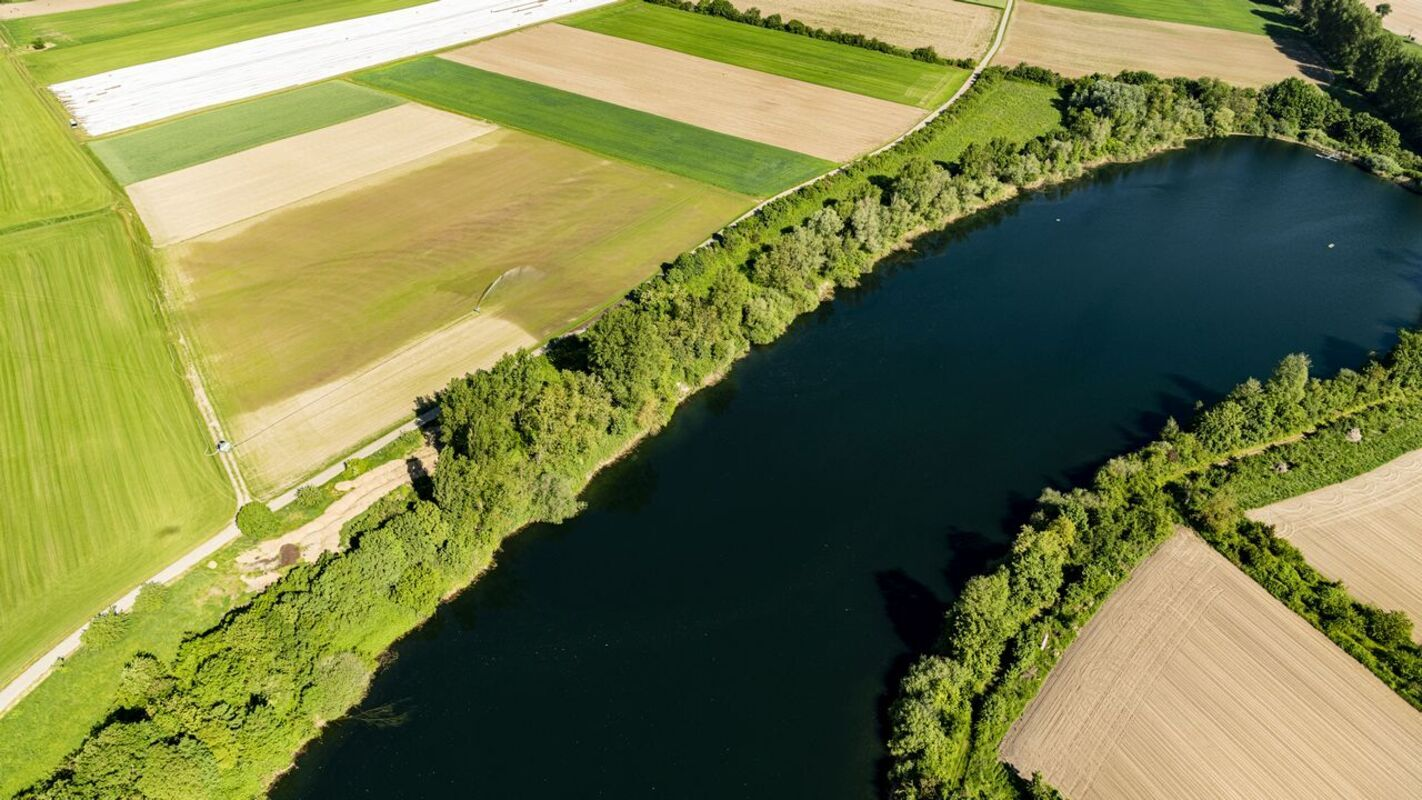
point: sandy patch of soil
(261, 565)
(817, 120)
(1366, 532)
(1192, 681)
(1081, 42)
(955, 29)
(1406, 17)
(203, 198)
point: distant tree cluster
(518, 441)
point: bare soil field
(815, 120)
(203, 198)
(1082, 42)
(1366, 532)
(1192, 681)
(955, 29)
(1405, 19)
(36, 8)
(306, 346)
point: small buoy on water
(1330, 245)
(1059, 219)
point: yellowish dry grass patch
(1366, 532)
(955, 29)
(312, 320)
(1192, 681)
(804, 117)
(193, 201)
(1081, 42)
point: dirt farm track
(1193, 682)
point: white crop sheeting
(122, 98)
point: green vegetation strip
(866, 72)
(96, 40)
(42, 173)
(105, 469)
(1231, 15)
(1016, 111)
(171, 146)
(715, 158)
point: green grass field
(105, 468)
(1230, 15)
(726, 161)
(1013, 110)
(207, 135)
(852, 69)
(42, 173)
(100, 39)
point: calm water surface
(727, 618)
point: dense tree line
(1007, 628)
(1384, 66)
(517, 442)
(752, 16)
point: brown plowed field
(1406, 17)
(1082, 42)
(816, 120)
(1366, 532)
(955, 29)
(1193, 682)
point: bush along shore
(225, 715)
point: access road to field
(804, 117)
(1192, 681)
(203, 198)
(1078, 43)
(1366, 532)
(123, 98)
(953, 28)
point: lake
(730, 615)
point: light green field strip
(100, 39)
(208, 135)
(105, 471)
(1012, 110)
(853, 69)
(726, 161)
(42, 173)
(1230, 15)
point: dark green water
(728, 617)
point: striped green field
(171, 146)
(100, 39)
(853, 69)
(1014, 110)
(1231, 15)
(105, 471)
(42, 173)
(726, 161)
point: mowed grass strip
(42, 173)
(105, 471)
(1014, 110)
(101, 39)
(209, 135)
(726, 161)
(1231, 15)
(853, 69)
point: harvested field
(1078, 43)
(823, 122)
(35, 8)
(729, 162)
(135, 95)
(1405, 19)
(1192, 681)
(953, 28)
(203, 198)
(853, 69)
(170, 146)
(1366, 532)
(301, 342)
